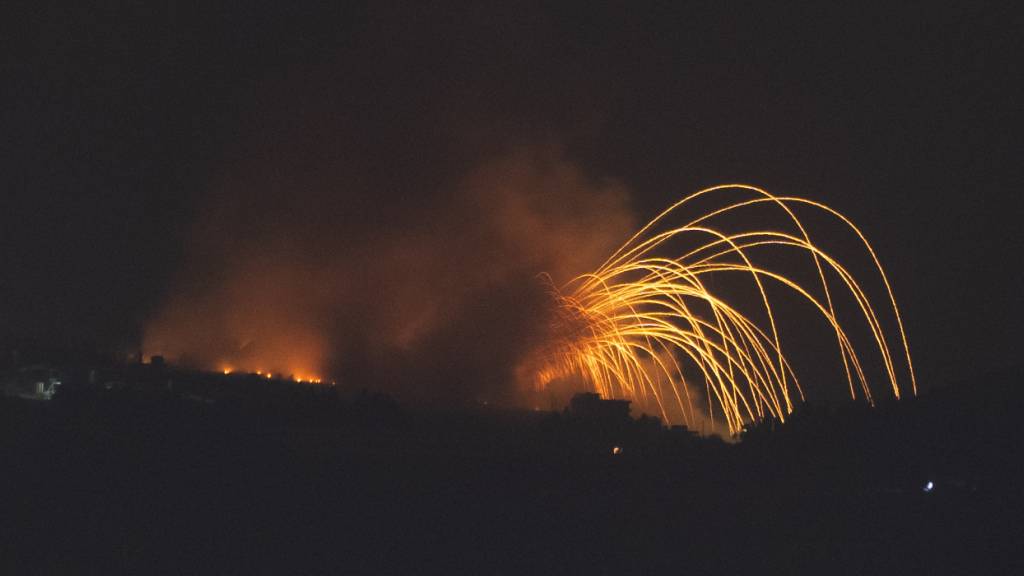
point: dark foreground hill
(149, 481)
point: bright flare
(654, 328)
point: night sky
(145, 149)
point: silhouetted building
(679, 432)
(590, 406)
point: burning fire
(301, 377)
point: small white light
(929, 486)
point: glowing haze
(478, 292)
(435, 300)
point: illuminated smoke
(447, 298)
(431, 300)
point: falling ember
(650, 327)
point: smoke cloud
(432, 297)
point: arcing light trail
(654, 329)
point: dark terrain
(236, 475)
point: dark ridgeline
(145, 467)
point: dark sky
(124, 126)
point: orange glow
(272, 295)
(298, 376)
(274, 344)
(657, 330)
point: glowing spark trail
(649, 327)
